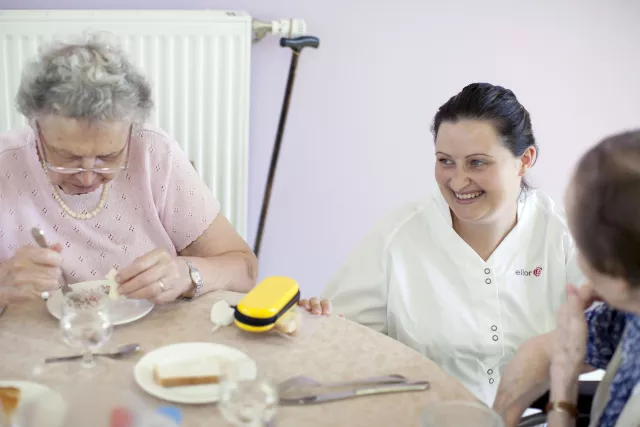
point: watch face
(195, 276)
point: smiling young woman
(477, 267)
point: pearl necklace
(67, 209)
(75, 215)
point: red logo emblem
(537, 272)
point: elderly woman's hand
(567, 359)
(32, 271)
(316, 306)
(154, 276)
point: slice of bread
(289, 323)
(113, 285)
(188, 371)
(9, 400)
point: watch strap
(562, 406)
(196, 279)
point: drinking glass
(85, 324)
(247, 402)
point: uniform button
(487, 271)
(487, 281)
(495, 338)
(490, 380)
(494, 328)
(490, 371)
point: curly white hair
(90, 79)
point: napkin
(221, 315)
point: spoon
(119, 353)
(38, 236)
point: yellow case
(271, 299)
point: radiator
(198, 63)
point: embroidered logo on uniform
(536, 272)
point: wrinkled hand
(154, 276)
(32, 271)
(570, 347)
(315, 306)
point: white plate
(194, 394)
(121, 311)
(48, 408)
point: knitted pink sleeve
(186, 205)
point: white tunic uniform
(414, 279)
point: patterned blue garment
(606, 327)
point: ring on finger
(162, 287)
(44, 295)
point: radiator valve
(289, 28)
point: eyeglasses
(108, 165)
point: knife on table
(361, 391)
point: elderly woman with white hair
(107, 189)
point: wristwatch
(561, 406)
(196, 279)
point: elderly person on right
(603, 202)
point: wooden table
(338, 350)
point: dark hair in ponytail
(484, 101)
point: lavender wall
(357, 144)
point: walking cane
(296, 45)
